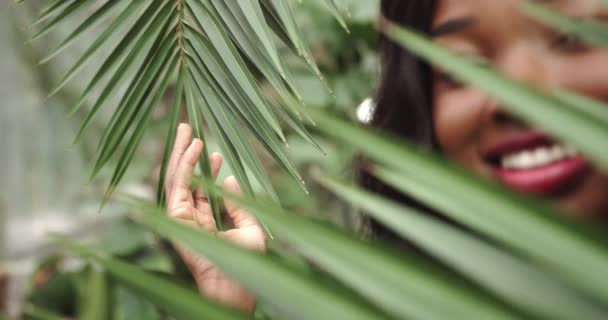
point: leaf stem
(179, 28)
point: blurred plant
(68, 287)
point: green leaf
(335, 10)
(71, 9)
(96, 303)
(130, 96)
(510, 277)
(270, 279)
(180, 302)
(231, 98)
(285, 15)
(160, 24)
(195, 117)
(252, 12)
(239, 152)
(234, 67)
(129, 305)
(38, 313)
(86, 24)
(138, 131)
(403, 287)
(171, 133)
(50, 9)
(588, 30)
(233, 41)
(224, 119)
(245, 39)
(594, 108)
(521, 223)
(125, 16)
(132, 42)
(133, 104)
(281, 29)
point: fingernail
(197, 142)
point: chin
(588, 199)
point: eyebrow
(452, 26)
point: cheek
(458, 121)
(584, 73)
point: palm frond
(214, 47)
(511, 277)
(531, 227)
(404, 286)
(274, 281)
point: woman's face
(474, 131)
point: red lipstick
(543, 180)
(532, 163)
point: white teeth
(538, 157)
(542, 155)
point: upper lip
(515, 143)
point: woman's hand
(191, 207)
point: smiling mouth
(535, 164)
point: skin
(191, 207)
(467, 121)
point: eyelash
(568, 43)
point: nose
(524, 64)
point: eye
(569, 43)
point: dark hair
(404, 98)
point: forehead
(507, 9)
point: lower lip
(544, 180)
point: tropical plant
(520, 259)
(214, 48)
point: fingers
(180, 189)
(240, 217)
(183, 139)
(216, 160)
(204, 215)
(216, 164)
(183, 211)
